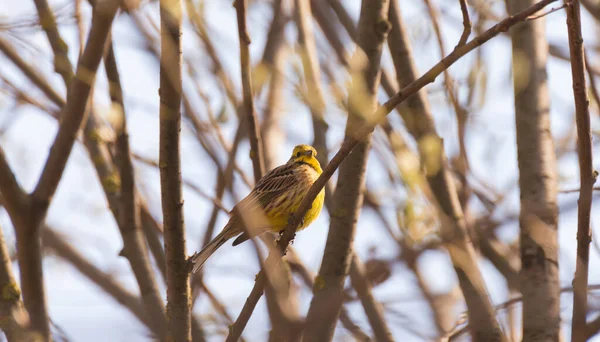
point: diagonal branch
(74, 111)
(15, 197)
(31, 73)
(62, 65)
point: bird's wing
(271, 186)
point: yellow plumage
(269, 205)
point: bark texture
(539, 281)
(178, 286)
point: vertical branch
(466, 23)
(347, 200)
(312, 73)
(254, 133)
(125, 206)
(538, 219)
(274, 60)
(178, 288)
(586, 171)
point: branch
(586, 172)
(178, 288)
(466, 23)
(16, 200)
(31, 73)
(254, 133)
(62, 65)
(77, 98)
(538, 218)
(315, 98)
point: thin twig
(466, 23)
(593, 88)
(254, 133)
(541, 15)
(586, 171)
(31, 73)
(62, 65)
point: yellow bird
(269, 205)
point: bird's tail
(228, 232)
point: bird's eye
(298, 154)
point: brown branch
(325, 306)
(538, 219)
(16, 200)
(178, 288)
(31, 73)
(315, 98)
(75, 108)
(586, 171)
(235, 330)
(62, 65)
(124, 205)
(466, 23)
(254, 133)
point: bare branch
(538, 219)
(31, 73)
(254, 133)
(16, 200)
(586, 171)
(178, 288)
(62, 65)
(466, 23)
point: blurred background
(396, 237)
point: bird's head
(306, 154)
